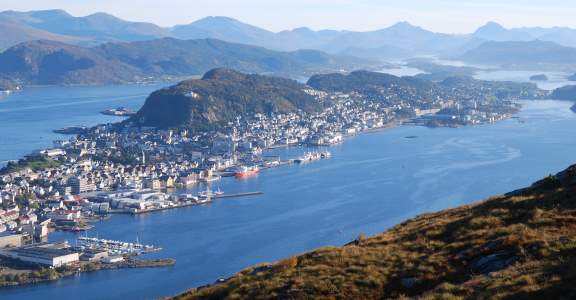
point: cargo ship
(245, 171)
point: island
(565, 93)
(573, 108)
(539, 77)
(513, 246)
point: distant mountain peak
(405, 27)
(404, 24)
(102, 15)
(210, 20)
(496, 32)
(491, 27)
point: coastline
(31, 276)
(269, 248)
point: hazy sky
(438, 15)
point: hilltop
(521, 245)
(221, 96)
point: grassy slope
(437, 255)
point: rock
(494, 262)
(408, 282)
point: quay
(184, 204)
(236, 195)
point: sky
(450, 16)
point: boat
(308, 156)
(325, 154)
(188, 197)
(206, 196)
(119, 112)
(245, 171)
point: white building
(52, 255)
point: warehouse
(47, 254)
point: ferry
(245, 171)
(311, 156)
(307, 157)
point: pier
(207, 200)
(235, 195)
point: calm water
(27, 118)
(372, 182)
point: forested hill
(221, 96)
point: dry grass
(432, 256)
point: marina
(114, 247)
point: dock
(185, 204)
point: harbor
(303, 208)
(113, 247)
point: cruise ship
(245, 171)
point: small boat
(119, 112)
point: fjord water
(28, 117)
(372, 182)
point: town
(126, 168)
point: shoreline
(51, 275)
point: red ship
(245, 171)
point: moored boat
(244, 171)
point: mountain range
(398, 41)
(52, 62)
(520, 53)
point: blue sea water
(372, 182)
(28, 117)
